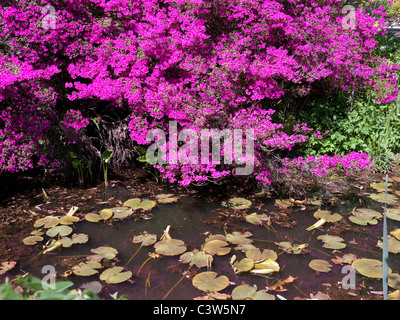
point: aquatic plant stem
(179, 281)
(133, 255)
(385, 253)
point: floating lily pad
(243, 265)
(146, 239)
(103, 252)
(198, 258)
(237, 203)
(216, 237)
(32, 240)
(393, 244)
(396, 233)
(93, 217)
(170, 247)
(93, 286)
(59, 231)
(166, 198)
(245, 247)
(363, 216)
(37, 232)
(106, 214)
(217, 247)
(332, 242)
(208, 281)
(86, 269)
(265, 267)
(258, 256)
(115, 275)
(239, 237)
(46, 222)
(132, 203)
(320, 265)
(369, 267)
(284, 203)
(136, 204)
(66, 242)
(121, 212)
(380, 186)
(393, 214)
(246, 292)
(394, 281)
(380, 197)
(68, 220)
(80, 238)
(327, 215)
(289, 247)
(257, 219)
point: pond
(193, 218)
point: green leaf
(115, 275)
(170, 247)
(237, 203)
(198, 258)
(106, 156)
(320, 265)
(208, 281)
(59, 231)
(32, 240)
(145, 239)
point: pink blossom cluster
(202, 63)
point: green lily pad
(258, 256)
(237, 203)
(284, 203)
(121, 212)
(243, 265)
(93, 217)
(66, 242)
(208, 281)
(245, 247)
(289, 247)
(59, 231)
(198, 258)
(362, 222)
(216, 237)
(103, 252)
(369, 267)
(166, 198)
(320, 265)
(396, 233)
(327, 215)
(136, 204)
(170, 247)
(393, 244)
(46, 222)
(393, 214)
(217, 247)
(37, 232)
(332, 242)
(80, 238)
(132, 203)
(394, 281)
(380, 197)
(265, 267)
(239, 237)
(115, 275)
(86, 269)
(246, 292)
(257, 219)
(363, 216)
(380, 186)
(68, 220)
(146, 239)
(106, 214)
(32, 240)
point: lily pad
(68, 220)
(237, 203)
(86, 269)
(257, 219)
(217, 247)
(393, 214)
(136, 204)
(121, 212)
(208, 281)
(258, 256)
(103, 252)
(106, 214)
(396, 233)
(93, 286)
(394, 281)
(170, 247)
(115, 275)
(239, 237)
(37, 232)
(363, 216)
(93, 217)
(246, 292)
(284, 203)
(380, 186)
(265, 267)
(289, 247)
(80, 238)
(320, 265)
(243, 265)
(198, 258)
(327, 215)
(66, 242)
(216, 237)
(369, 267)
(332, 242)
(166, 198)
(32, 240)
(59, 231)
(146, 239)
(46, 222)
(393, 244)
(132, 203)
(380, 197)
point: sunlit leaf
(106, 214)
(332, 242)
(80, 238)
(115, 275)
(258, 256)
(32, 240)
(59, 231)
(396, 233)
(320, 265)
(237, 203)
(243, 265)
(380, 197)
(369, 267)
(217, 247)
(198, 258)
(284, 203)
(121, 212)
(265, 267)
(67, 220)
(327, 215)
(93, 217)
(208, 281)
(380, 186)
(46, 222)
(170, 247)
(239, 237)
(289, 247)
(393, 214)
(394, 281)
(166, 198)
(103, 252)
(146, 239)
(393, 244)
(86, 269)
(257, 219)
(246, 292)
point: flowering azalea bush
(202, 63)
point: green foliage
(105, 159)
(30, 288)
(82, 166)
